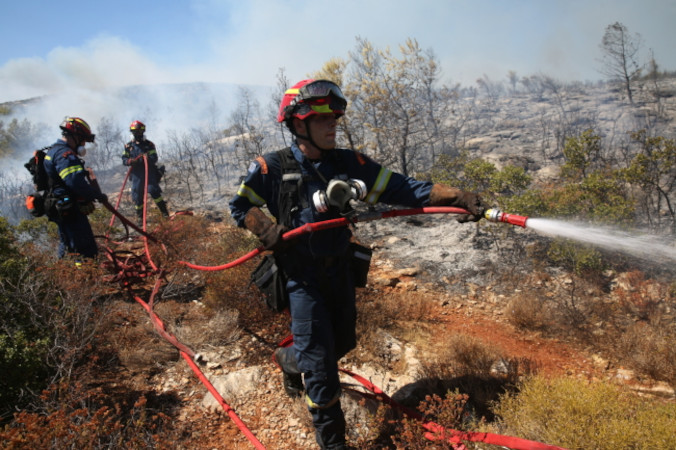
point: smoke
(102, 63)
(109, 78)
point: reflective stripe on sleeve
(379, 186)
(248, 193)
(70, 170)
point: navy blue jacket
(61, 162)
(261, 186)
(133, 150)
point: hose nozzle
(495, 215)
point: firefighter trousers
(323, 323)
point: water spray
(656, 249)
(495, 215)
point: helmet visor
(320, 97)
(319, 89)
(326, 105)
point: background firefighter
(320, 283)
(71, 194)
(133, 156)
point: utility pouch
(50, 207)
(65, 207)
(159, 171)
(270, 280)
(360, 260)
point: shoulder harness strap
(290, 199)
(52, 183)
(341, 167)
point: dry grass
(78, 417)
(650, 350)
(576, 414)
(405, 315)
(636, 326)
(527, 312)
(222, 328)
(627, 316)
(470, 356)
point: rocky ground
(431, 260)
(459, 273)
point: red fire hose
(493, 215)
(434, 431)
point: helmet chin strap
(312, 141)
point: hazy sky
(50, 45)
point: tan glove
(442, 195)
(86, 208)
(269, 233)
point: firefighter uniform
(75, 232)
(321, 285)
(132, 156)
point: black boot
(139, 217)
(293, 380)
(163, 208)
(293, 384)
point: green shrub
(39, 233)
(23, 345)
(22, 364)
(583, 260)
(575, 414)
(47, 317)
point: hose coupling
(495, 215)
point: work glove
(268, 232)
(102, 198)
(86, 208)
(133, 162)
(442, 195)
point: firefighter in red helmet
(133, 154)
(71, 190)
(320, 267)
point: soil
(152, 366)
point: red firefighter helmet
(137, 125)
(311, 97)
(77, 127)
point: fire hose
(131, 269)
(433, 430)
(493, 215)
